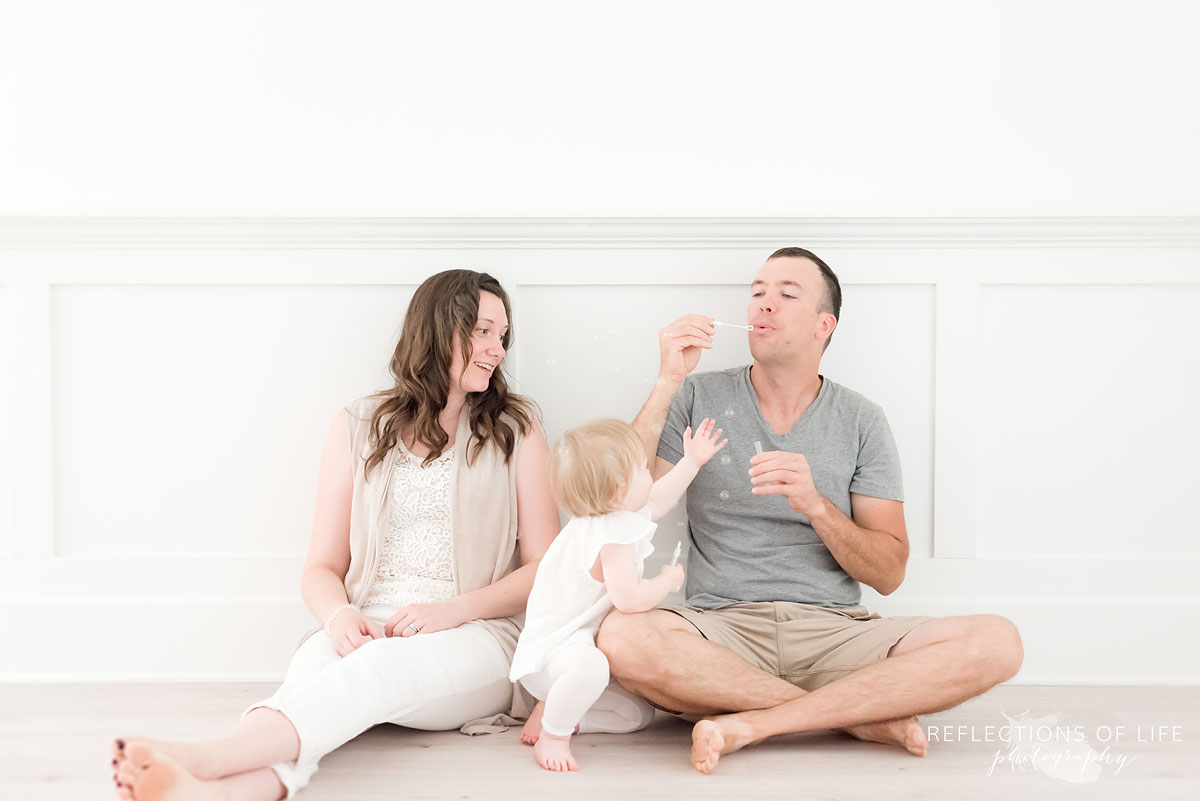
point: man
(773, 638)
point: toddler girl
(599, 473)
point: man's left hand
(786, 474)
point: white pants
(576, 688)
(434, 682)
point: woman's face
(486, 349)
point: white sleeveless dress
(565, 599)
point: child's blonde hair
(591, 463)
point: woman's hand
(425, 618)
(352, 629)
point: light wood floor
(53, 742)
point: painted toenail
(121, 744)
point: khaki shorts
(808, 646)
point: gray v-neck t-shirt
(747, 548)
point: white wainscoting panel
(177, 410)
(6, 546)
(167, 386)
(29, 433)
(1091, 395)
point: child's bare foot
(533, 726)
(904, 732)
(713, 737)
(146, 775)
(553, 753)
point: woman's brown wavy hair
(446, 305)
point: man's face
(783, 310)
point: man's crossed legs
(671, 659)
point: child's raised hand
(701, 446)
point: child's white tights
(575, 686)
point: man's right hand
(679, 346)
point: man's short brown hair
(830, 301)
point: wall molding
(573, 232)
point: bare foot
(904, 732)
(125, 775)
(117, 748)
(192, 757)
(533, 726)
(713, 737)
(553, 753)
(152, 776)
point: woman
(415, 567)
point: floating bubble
(724, 495)
(551, 361)
(616, 369)
(725, 459)
(656, 428)
(729, 412)
(599, 337)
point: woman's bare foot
(533, 726)
(904, 732)
(713, 737)
(145, 775)
(554, 753)
(192, 757)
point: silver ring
(416, 629)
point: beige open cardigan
(483, 529)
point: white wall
(168, 385)
(795, 109)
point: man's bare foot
(554, 753)
(533, 726)
(146, 775)
(713, 737)
(904, 732)
(192, 757)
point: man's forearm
(653, 415)
(875, 558)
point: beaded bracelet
(337, 612)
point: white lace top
(415, 559)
